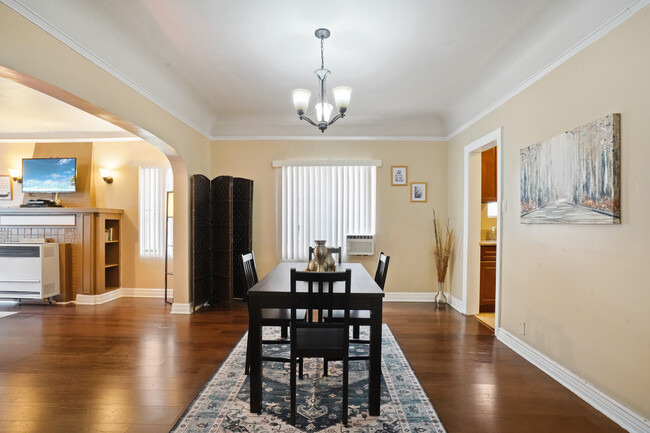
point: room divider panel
(222, 230)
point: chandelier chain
(322, 53)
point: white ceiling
(419, 68)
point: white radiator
(29, 271)
(359, 245)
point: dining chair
(333, 250)
(319, 337)
(270, 316)
(360, 318)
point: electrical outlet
(522, 328)
(504, 206)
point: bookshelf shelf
(109, 272)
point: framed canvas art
(419, 192)
(399, 175)
(573, 178)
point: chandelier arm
(308, 120)
(335, 118)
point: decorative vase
(312, 266)
(320, 253)
(330, 263)
(440, 299)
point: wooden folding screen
(200, 270)
(242, 230)
(228, 214)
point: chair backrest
(382, 270)
(320, 295)
(250, 270)
(333, 250)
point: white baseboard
(409, 297)
(123, 292)
(626, 418)
(98, 299)
(457, 304)
(128, 292)
(178, 308)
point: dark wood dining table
(273, 291)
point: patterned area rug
(222, 405)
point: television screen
(50, 175)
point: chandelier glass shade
(322, 108)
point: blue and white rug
(223, 404)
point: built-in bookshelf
(92, 238)
(111, 253)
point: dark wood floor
(130, 366)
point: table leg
(375, 357)
(255, 340)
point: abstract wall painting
(573, 178)
(418, 192)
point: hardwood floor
(130, 366)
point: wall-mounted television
(49, 175)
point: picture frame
(6, 192)
(419, 192)
(399, 175)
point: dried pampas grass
(444, 247)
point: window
(154, 184)
(325, 202)
(492, 209)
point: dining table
(273, 291)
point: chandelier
(323, 108)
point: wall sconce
(106, 175)
(15, 175)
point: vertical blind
(325, 202)
(154, 182)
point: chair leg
(284, 331)
(324, 367)
(345, 392)
(292, 381)
(355, 331)
(300, 368)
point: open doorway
(482, 234)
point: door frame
(488, 141)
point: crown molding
(32, 16)
(72, 140)
(584, 43)
(41, 22)
(326, 138)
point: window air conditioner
(359, 245)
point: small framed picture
(5, 188)
(419, 192)
(399, 175)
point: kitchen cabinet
(489, 175)
(488, 279)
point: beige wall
(582, 290)
(124, 160)
(67, 75)
(404, 229)
(11, 156)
